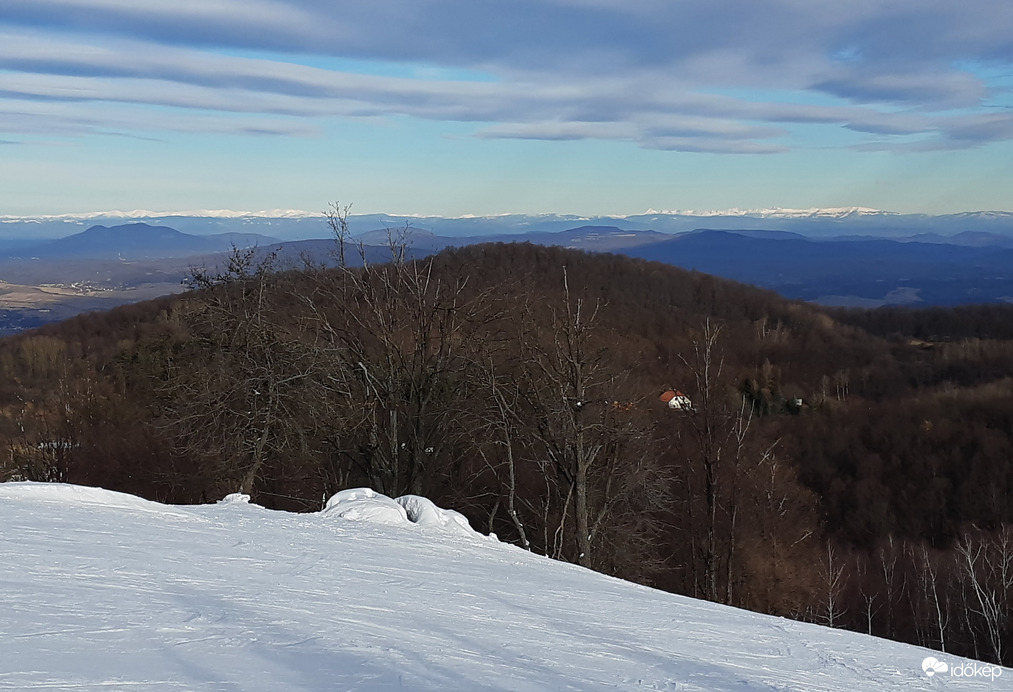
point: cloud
(556, 36)
(649, 72)
(75, 119)
(938, 90)
(703, 145)
(980, 129)
(245, 23)
(559, 131)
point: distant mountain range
(859, 271)
(298, 225)
(102, 266)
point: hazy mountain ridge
(295, 224)
(971, 267)
(858, 271)
(102, 266)
(140, 241)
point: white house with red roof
(676, 400)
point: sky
(458, 107)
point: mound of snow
(365, 504)
(424, 512)
(79, 495)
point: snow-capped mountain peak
(777, 212)
(147, 214)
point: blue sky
(452, 107)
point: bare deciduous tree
(397, 343)
(233, 397)
(499, 443)
(833, 579)
(595, 448)
(718, 430)
(986, 564)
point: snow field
(104, 591)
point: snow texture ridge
(79, 495)
(100, 592)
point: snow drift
(365, 504)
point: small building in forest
(676, 400)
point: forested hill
(819, 472)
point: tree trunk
(581, 516)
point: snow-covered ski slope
(105, 591)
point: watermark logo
(931, 666)
(965, 669)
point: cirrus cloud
(723, 76)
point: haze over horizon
(452, 108)
(303, 213)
